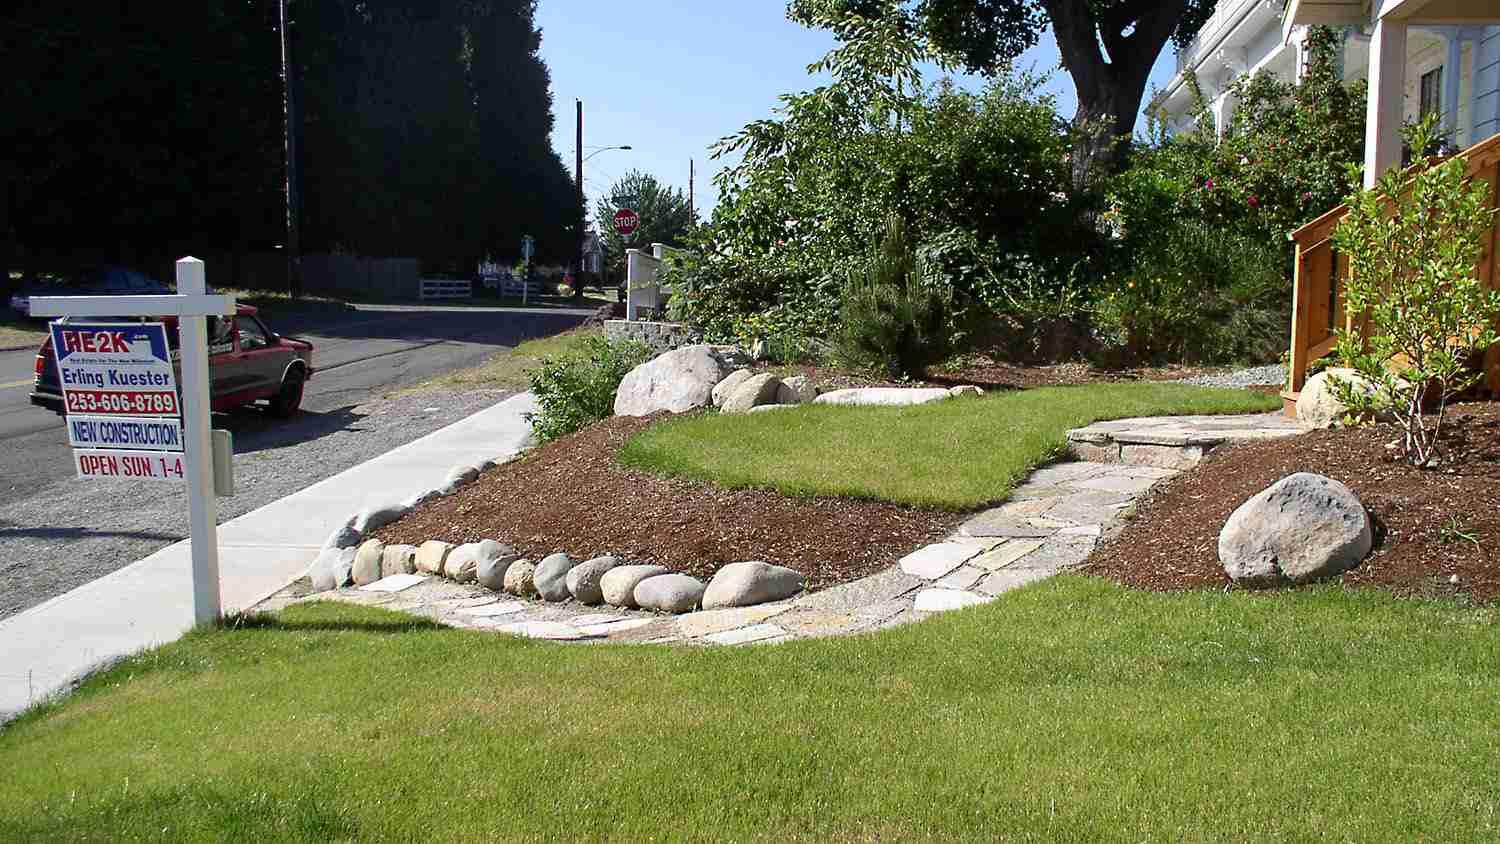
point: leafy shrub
(1197, 293)
(1413, 246)
(894, 317)
(799, 212)
(577, 388)
(1282, 159)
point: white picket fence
(442, 288)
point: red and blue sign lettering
(115, 369)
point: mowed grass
(509, 370)
(1072, 710)
(18, 332)
(954, 455)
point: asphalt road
(377, 349)
(57, 531)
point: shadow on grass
(280, 622)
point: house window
(1432, 92)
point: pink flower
(1254, 203)
(1307, 196)
(1208, 185)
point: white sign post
(191, 306)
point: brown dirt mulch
(571, 496)
(1429, 524)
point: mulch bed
(571, 496)
(1172, 543)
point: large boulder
(462, 562)
(398, 559)
(618, 584)
(494, 559)
(375, 518)
(1318, 407)
(583, 579)
(755, 390)
(325, 571)
(367, 562)
(798, 389)
(431, 555)
(677, 381)
(520, 578)
(744, 584)
(726, 386)
(1301, 528)
(674, 593)
(884, 396)
(458, 478)
(345, 536)
(551, 577)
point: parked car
(247, 362)
(101, 281)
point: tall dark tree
(1107, 46)
(427, 130)
(133, 131)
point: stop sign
(626, 222)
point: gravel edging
(96, 527)
(1270, 375)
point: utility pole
(293, 175)
(692, 206)
(583, 212)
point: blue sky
(671, 77)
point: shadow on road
(10, 532)
(499, 328)
(256, 429)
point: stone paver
(1172, 442)
(962, 577)
(942, 600)
(745, 635)
(1007, 579)
(935, 561)
(707, 622)
(1007, 554)
(1051, 522)
(394, 583)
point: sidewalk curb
(52, 647)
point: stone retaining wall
(660, 336)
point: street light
(605, 149)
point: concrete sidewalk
(46, 649)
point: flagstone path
(1051, 523)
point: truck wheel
(289, 397)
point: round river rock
(1301, 528)
(551, 577)
(674, 593)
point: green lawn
(1072, 710)
(955, 455)
(509, 370)
(18, 332)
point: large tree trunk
(1110, 84)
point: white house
(1451, 57)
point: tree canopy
(665, 216)
(135, 132)
(1107, 46)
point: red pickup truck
(247, 362)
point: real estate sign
(115, 369)
(120, 394)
